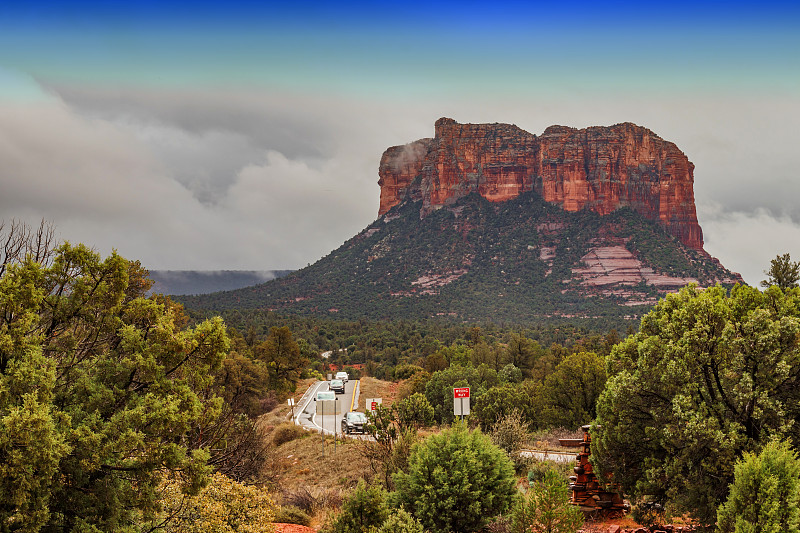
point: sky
(247, 134)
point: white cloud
(748, 241)
(222, 179)
(208, 198)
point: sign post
(461, 401)
(335, 412)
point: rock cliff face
(597, 168)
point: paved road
(306, 413)
(559, 457)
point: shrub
(286, 432)
(416, 383)
(764, 494)
(405, 371)
(414, 411)
(224, 506)
(288, 514)
(302, 499)
(497, 403)
(537, 470)
(456, 481)
(546, 508)
(510, 374)
(352, 372)
(510, 433)
(401, 521)
(365, 508)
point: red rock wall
(598, 168)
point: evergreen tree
(708, 377)
(364, 509)
(283, 358)
(782, 272)
(546, 508)
(765, 493)
(401, 521)
(99, 393)
(456, 481)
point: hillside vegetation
(475, 261)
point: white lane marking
(313, 390)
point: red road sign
(461, 392)
(374, 406)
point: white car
(337, 386)
(342, 375)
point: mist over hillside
(178, 282)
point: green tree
(499, 402)
(237, 443)
(401, 521)
(522, 352)
(439, 389)
(415, 384)
(493, 356)
(456, 481)
(510, 374)
(487, 376)
(405, 371)
(782, 272)
(765, 493)
(569, 395)
(457, 354)
(223, 506)
(98, 393)
(364, 509)
(436, 361)
(511, 433)
(414, 411)
(545, 508)
(390, 447)
(283, 359)
(708, 377)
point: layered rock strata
(597, 168)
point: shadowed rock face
(597, 168)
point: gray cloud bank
(248, 180)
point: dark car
(337, 386)
(354, 422)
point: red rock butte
(597, 168)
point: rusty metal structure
(595, 500)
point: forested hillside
(521, 261)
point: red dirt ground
(292, 528)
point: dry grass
(548, 439)
(310, 472)
(376, 388)
(316, 474)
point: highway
(306, 414)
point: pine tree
(765, 492)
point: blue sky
(415, 47)
(181, 133)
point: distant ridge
(182, 282)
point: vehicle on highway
(325, 395)
(336, 385)
(354, 422)
(343, 376)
